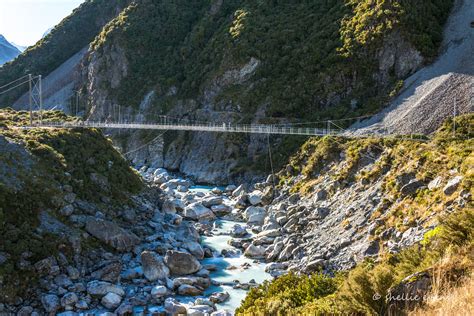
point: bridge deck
(224, 128)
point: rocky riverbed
(186, 249)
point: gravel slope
(429, 95)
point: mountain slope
(66, 39)
(432, 93)
(236, 61)
(7, 50)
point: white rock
(255, 197)
(159, 291)
(253, 251)
(452, 185)
(197, 211)
(111, 300)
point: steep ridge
(8, 51)
(66, 39)
(431, 94)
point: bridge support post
(31, 100)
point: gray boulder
(101, 288)
(238, 231)
(195, 249)
(153, 266)
(197, 211)
(411, 187)
(173, 307)
(111, 234)
(255, 197)
(111, 300)
(50, 303)
(199, 310)
(159, 291)
(452, 185)
(186, 289)
(253, 251)
(181, 263)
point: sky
(24, 22)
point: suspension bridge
(165, 123)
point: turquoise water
(218, 242)
(256, 271)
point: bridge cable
(10, 89)
(10, 83)
(145, 145)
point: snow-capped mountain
(7, 50)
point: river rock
(101, 288)
(50, 303)
(181, 263)
(153, 266)
(452, 185)
(195, 249)
(124, 309)
(69, 300)
(230, 188)
(199, 310)
(212, 201)
(253, 251)
(219, 297)
(67, 210)
(168, 207)
(269, 233)
(109, 273)
(111, 300)
(197, 211)
(255, 198)
(111, 234)
(173, 307)
(255, 215)
(159, 291)
(221, 210)
(186, 289)
(238, 231)
(239, 191)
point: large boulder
(111, 234)
(212, 201)
(411, 187)
(197, 211)
(195, 249)
(153, 266)
(111, 300)
(221, 210)
(173, 307)
(186, 289)
(239, 191)
(238, 231)
(452, 185)
(253, 251)
(101, 288)
(199, 310)
(181, 263)
(255, 197)
(50, 303)
(255, 215)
